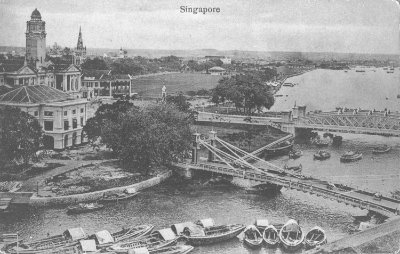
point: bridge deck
(364, 200)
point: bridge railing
(301, 186)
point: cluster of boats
(177, 239)
(289, 236)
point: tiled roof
(97, 74)
(11, 65)
(34, 94)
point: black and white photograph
(199, 126)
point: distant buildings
(216, 70)
(37, 69)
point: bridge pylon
(195, 147)
(212, 138)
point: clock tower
(36, 39)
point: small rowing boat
(315, 237)
(381, 149)
(271, 236)
(105, 239)
(212, 234)
(351, 156)
(294, 168)
(84, 208)
(157, 239)
(294, 154)
(291, 236)
(126, 194)
(252, 237)
(322, 142)
(322, 155)
(69, 238)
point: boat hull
(351, 159)
(254, 244)
(116, 199)
(204, 240)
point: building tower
(80, 50)
(35, 39)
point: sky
(349, 26)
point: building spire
(79, 45)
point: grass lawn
(175, 83)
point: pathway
(30, 185)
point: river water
(175, 201)
(327, 89)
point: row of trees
(141, 137)
(134, 66)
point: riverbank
(37, 201)
(383, 238)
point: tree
(20, 135)
(179, 101)
(95, 64)
(106, 112)
(247, 92)
(66, 51)
(154, 136)
(142, 137)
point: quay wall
(383, 238)
(93, 196)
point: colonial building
(103, 83)
(37, 68)
(61, 116)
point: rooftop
(34, 95)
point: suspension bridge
(228, 160)
(351, 121)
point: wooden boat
(69, 238)
(157, 239)
(291, 236)
(84, 208)
(271, 236)
(181, 249)
(322, 155)
(126, 194)
(351, 156)
(322, 142)
(252, 237)
(294, 168)
(105, 239)
(212, 234)
(381, 149)
(294, 154)
(281, 149)
(315, 237)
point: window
(74, 111)
(48, 125)
(65, 113)
(81, 110)
(74, 123)
(48, 113)
(81, 121)
(36, 113)
(66, 125)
